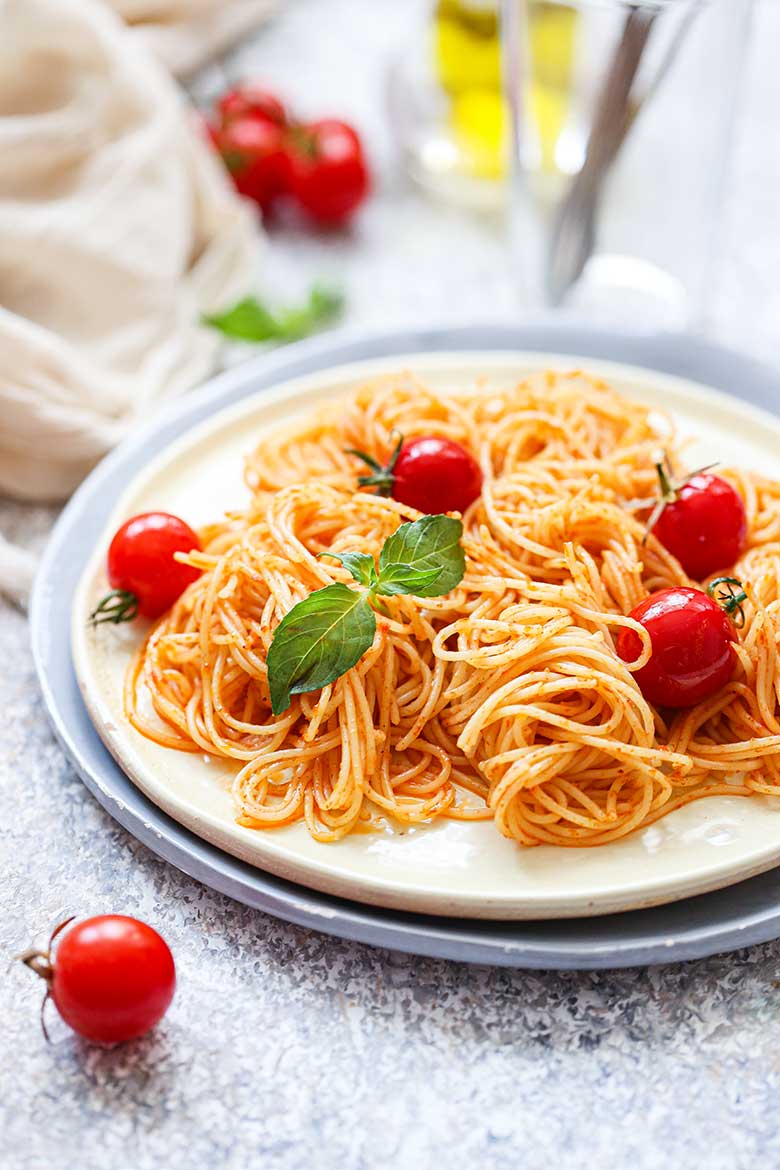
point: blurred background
(430, 244)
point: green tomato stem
(117, 606)
(731, 597)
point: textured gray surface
(287, 1049)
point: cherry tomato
(254, 152)
(436, 475)
(112, 978)
(252, 101)
(430, 474)
(693, 647)
(329, 175)
(141, 564)
(704, 526)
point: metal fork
(573, 235)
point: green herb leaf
(326, 634)
(360, 565)
(397, 579)
(321, 638)
(323, 307)
(251, 320)
(429, 545)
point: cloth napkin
(117, 230)
(185, 34)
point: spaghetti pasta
(504, 699)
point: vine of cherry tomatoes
(320, 165)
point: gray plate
(745, 913)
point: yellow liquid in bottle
(467, 57)
(552, 37)
(467, 51)
(467, 45)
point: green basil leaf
(252, 320)
(360, 565)
(321, 638)
(323, 307)
(432, 542)
(396, 579)
(248, 320)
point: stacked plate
(685, 887)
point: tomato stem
(41, 963)
(381, 476)
(303, 140)
(44, 1029)
(664, 469)
(235, 161)
(663, 466)
(117, 606)
(730, 597)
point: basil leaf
(248, 320)
(397, 579)
(252, 320)
(360, 565)
(323, 307)
(320, 639)
(432, 542)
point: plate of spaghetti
(474, 634)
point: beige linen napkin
(185, 34)
(117, 229)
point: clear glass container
(622, 118)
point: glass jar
(622, 117)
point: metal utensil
(573, 235)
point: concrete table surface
(286, 1049)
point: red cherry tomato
(329, 175)
(254, 152)
(252, 101)
(693, 647)
(430, 474)
(436, 475)
(113, 978)
(140, 560)
(705, 526)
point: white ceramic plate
(452, 868)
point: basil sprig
(326, 634)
